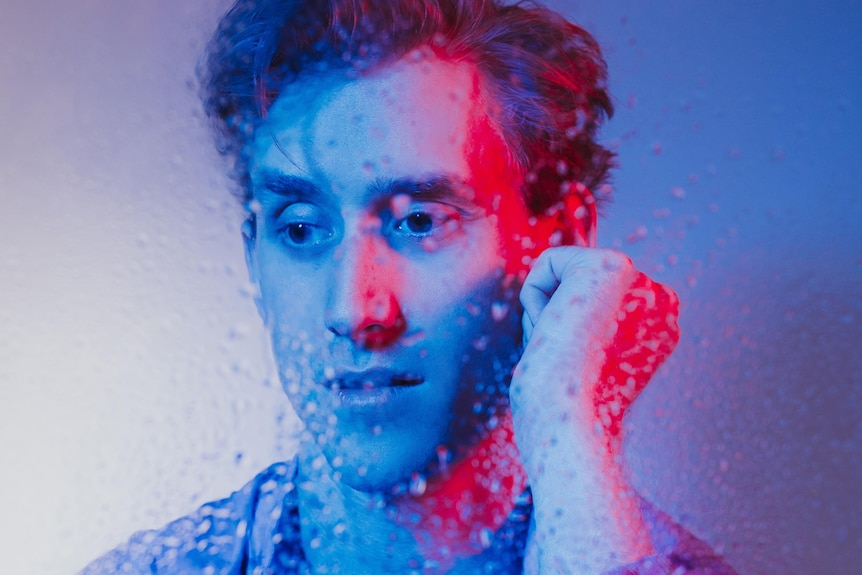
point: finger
(526, 329)
(543, 280)
(539, 285)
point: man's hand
(596, 330)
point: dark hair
(546, 74)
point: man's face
(387, 219)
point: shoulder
(216, 538)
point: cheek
(286, 312)
(522, 239)
(456, 311)
(448, 285)
(292, 313)
(290, 294)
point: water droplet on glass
(417, 484)
(499, 310)
(400, 206)
(639, 234)
(442, 457)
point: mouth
(373, 379)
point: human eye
(426, 220)
(417, 223)
(303, 226)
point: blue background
(752, 109)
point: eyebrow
(291, 186)
(432, 187)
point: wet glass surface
(136, 382)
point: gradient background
(135, 380)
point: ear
(582, 218)
(249, 241)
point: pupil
(298, 233)
(419, 223)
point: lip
(373, 387)
(373, 379)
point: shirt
(256, 531)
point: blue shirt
(256, 531)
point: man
(421, 234)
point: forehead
(416, 117)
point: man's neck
(453, 517)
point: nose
(362, 302)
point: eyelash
(436, 218)
(296, 231)
(307, 228)
(303, 222)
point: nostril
(375, 335)
(338, 325)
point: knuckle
(617, 267)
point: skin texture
(598, 329)
(363, 271)
(389, 244)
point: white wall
(133, 372)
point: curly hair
(546, 74)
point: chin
(377, 466)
